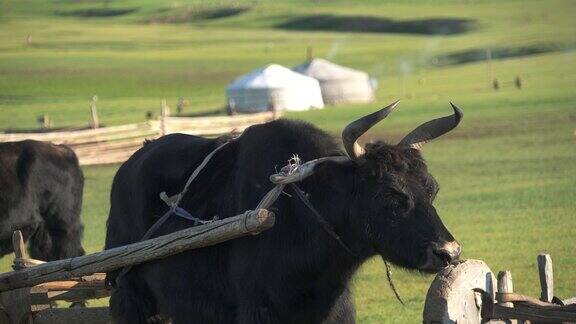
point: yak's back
(162, 165)
(165, 164)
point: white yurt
(274, 87)
(339, 84)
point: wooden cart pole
(251, 222)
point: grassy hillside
(507, 175)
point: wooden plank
(78, 294)
(62, 136)
(74, 290)
(116, 136)
(136, 253)
(526, 309)
(116, 144)
(75, 315)
(212, 132)
(95, 282)
(535, 313)
(106, 148)
(106, 158)
(219, 121)
(107, 133)
(546, 277)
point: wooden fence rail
(141, 252)
(117, 143)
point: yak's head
(394, 195)
(389, 195)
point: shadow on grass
(367, 24)
(193, 14)
(97, 12)
(481, 54)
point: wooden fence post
(546, 277)
(44, 121)
(493, 81)
(164, 112)
(21, 310)
(309, 53)
(505, 285)
(180, 106)
(94, 113)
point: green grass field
(508, 174)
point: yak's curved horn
(432, 129)
(360, 126)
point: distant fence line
(117, 143)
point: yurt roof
(321, 69)
(270, 76)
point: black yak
(378, 201)
(41, 194)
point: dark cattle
(379, 201)
(41, 195)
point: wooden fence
(117, 143)
(28, 294)
(470, 293)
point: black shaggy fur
(41, 194)
(293, 273)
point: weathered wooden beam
(78, 295)
(525, 308)
(137, 253)
(546, 277)
(74, 315)
(96, 281)
(88, 287)
(535, 313)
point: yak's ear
(337, 175)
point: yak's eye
(395, 199)
(431, 188)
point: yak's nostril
(443, 255)
(448, 252)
